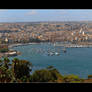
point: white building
(6, 39)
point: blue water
(76, 61)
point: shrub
(46, 75)
(89, 76)
(4, 50)
(72, 79)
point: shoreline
(58, 45)
(20, 44)
(75, 45)
(10, 53)
(13, 52)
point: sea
(76, 61)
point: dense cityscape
(45, 31)
(70, 33)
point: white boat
(56, 53)
(51, 54)
(54, 44)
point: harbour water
(76, 61)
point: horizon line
(49, 21)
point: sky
(33, 15)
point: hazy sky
(29, 15)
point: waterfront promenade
(79, 45)
(68, 45)
(20, 44)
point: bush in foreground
(45, 75)
(72, 79)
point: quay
(20, 44)
(10, 53)
(75, 45)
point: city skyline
(33, 15)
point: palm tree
(21, 68)
(1, 62)
(6, 62)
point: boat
(56, 53)
(64, 50)
(54, 44)
(14, 53)
(51, 54)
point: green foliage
(35, 40)
(18, 71)
(14, 71)
(41, 76)
(5, 74)
(6, 62)
(6, 59)
(72, 79)
(50, 67)
(46, 75)
(4, 50)
(1, 62)
(25, 79)
(21, 68)
(89, 76)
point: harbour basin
(76, 61)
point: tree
(21, 68)
(6, 62)
(41, 76)
(89, 76)
(49, 74)
(5, 74)
(1, 62)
